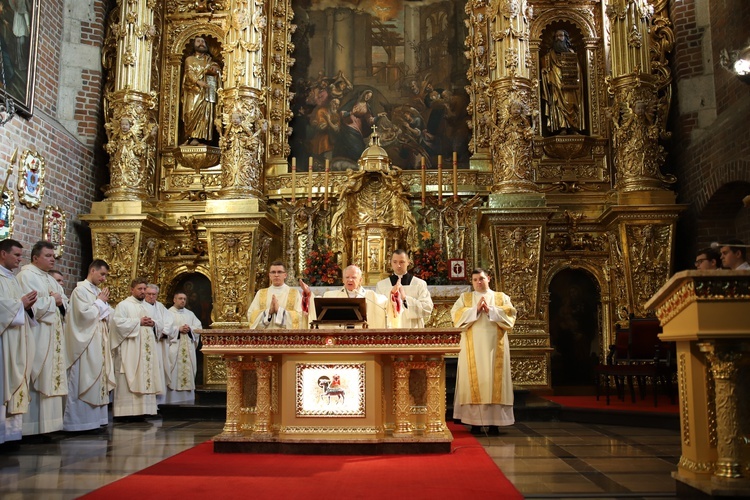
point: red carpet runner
(467, 472)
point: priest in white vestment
(280, 306)
(133, 342)
(166, 334)
(183, 367)
(48, 380)
(484, 389)
(16, 343)
(409, 301)
(376, 303)
(91, 375)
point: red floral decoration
(429, 264)
(321, 268)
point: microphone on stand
(716, 245)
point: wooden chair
(638, 355)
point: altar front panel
(334, 387)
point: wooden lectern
(707, 313)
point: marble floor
(542, 459)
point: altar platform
(334, 391)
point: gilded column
(510, 89)
(478, 53)
(725, 359)
(130, 102)
(242, 101)
(641, 96)
(234, 395)
(263, 413)
(279, 60)
(403, 427)
(435, 413)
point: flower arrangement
(321, 268)
(429, 264)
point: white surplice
(16, 357)
(417, 309)
(183, 365)
(48, 380)
(135, 359)
(90, 370)
(289, 314)
(484, 389)
(166, 334)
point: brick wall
(68, 144)
(711, 140)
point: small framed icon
(54, 226)
(457, 269)
(31, 179)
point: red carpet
(641, 405)
(467, 472)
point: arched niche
(575, 327)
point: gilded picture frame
(19, 20)
(330, 389)
(7, 212)
(31, 179)
(54, 226)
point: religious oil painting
(19, 28)
(7, 209)
(54, 226)
(31, 179)
(387, 67)
(330, 390)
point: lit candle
(294, 179)
(424, 181)
(328, 171)
(440, 179)
(309, 181)
(455, 176)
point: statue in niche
(199, 94)
(562, 87)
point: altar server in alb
(90, 371)
(48, 381)
(484, 389)
(166, 333)
(409, 304)
(376, 303)
(183, 366)
(16, 355)
(279, 305)
(133, 342)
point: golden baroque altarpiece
(564, 169)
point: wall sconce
(737, 61)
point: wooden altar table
(334, 391)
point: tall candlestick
(440, 179)
(328, 172)
(294, 179)
(455, 176)
(309, 181)
(424, 181)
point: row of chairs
(638, 355)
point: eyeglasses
(698, 262)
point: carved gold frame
(7, 212)
(54, 226)
(311, 396)
(31, 179)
